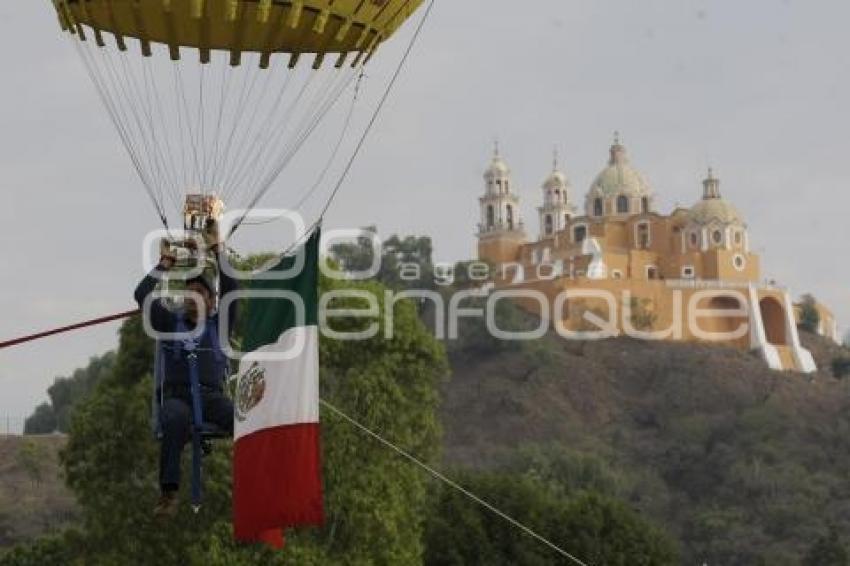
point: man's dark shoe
(167, 505)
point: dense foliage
(594, 527)
(809, 315)
(65, 393)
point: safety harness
(189, 349)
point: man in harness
(205, 352)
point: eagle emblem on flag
(250, 390)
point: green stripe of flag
(267, 319)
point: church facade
(689, 275)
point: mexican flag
(276, 464)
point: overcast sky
(758, 89)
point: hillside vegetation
(743, 465)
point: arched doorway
(723, 323)
(773, 316)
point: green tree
(828, 550)
(405, 263)
(65, 394)
(809, 315)
(42, 421)
(590, 526)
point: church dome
(556, 181)
(498, 169)
(713, 207)
(620, 177)
(715, 210)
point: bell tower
(557, 210)
(501, 230)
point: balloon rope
(222, 105)
(303, 132)
(365, 135)
(181, 97)
(314, 111)
(169, 157)
(243, 146)
(119, 121)
(131, 91)
(202, 133)
(276, 125)
(331, 160)
(247, 90)
(165, 157)
(378, 111)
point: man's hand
(212, 236)
(167, 257)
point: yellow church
(614, 265)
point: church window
(651, 272)
(580, 233)
(598, 207)
(643, 236)
(548, 225)
(694, 239)
(688, 272)
(739, 262)
(717, 236)
(739, 238)
(491, 216)
(510, 217)
(622, 204)
(644, 205)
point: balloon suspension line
(360, 144)
(119, 118)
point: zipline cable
(64, 329)
(360, 144)
(451, 483)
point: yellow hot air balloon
(213, 99)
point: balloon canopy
(294, 27)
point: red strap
(64, 329)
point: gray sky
(757, 88)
